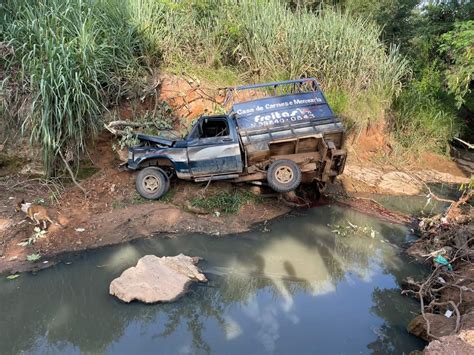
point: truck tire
(152, 183)
(284, 176)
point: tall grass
(71, 56)
(75, 57)
(266, 40)
(343, 52)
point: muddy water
(291, 287)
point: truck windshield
(208, 127)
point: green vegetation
(72, 58)
(423, 117)
(458, 45)
(65, 62)
(33, 257)
(38, 233)
(225, 201)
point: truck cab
(283, 139)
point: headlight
(130, 155)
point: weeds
(225, 201)
(268, 41)
(33, 257)
(38, 234)
(155, 122)
(168, 197)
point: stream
(292, 286)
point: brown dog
(38, 214)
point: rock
(256, 190)
(397, 182)
(467, 336)
(122, 154)
(437, 176)
(400, 183)
(452, 344)
(439, 326)
(156, 279)
(462, 343)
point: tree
(458, 47)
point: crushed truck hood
(156, 139)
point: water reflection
(295, 289)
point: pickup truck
(287, 136)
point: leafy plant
(33, 257)
(158, 121)
(422, 120)
(38, 233)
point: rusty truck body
(286, 136)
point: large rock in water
(156, 279)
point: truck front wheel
(284, 176)
(152, 183)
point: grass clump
(225, 201)
(33, 257)
(72, 58)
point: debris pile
(447, 295)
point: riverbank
(113, 213)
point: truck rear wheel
(152, 183)
(284, 176)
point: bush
(423, 117)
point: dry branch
(111, 126)
(68, 168)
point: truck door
(213, 147)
